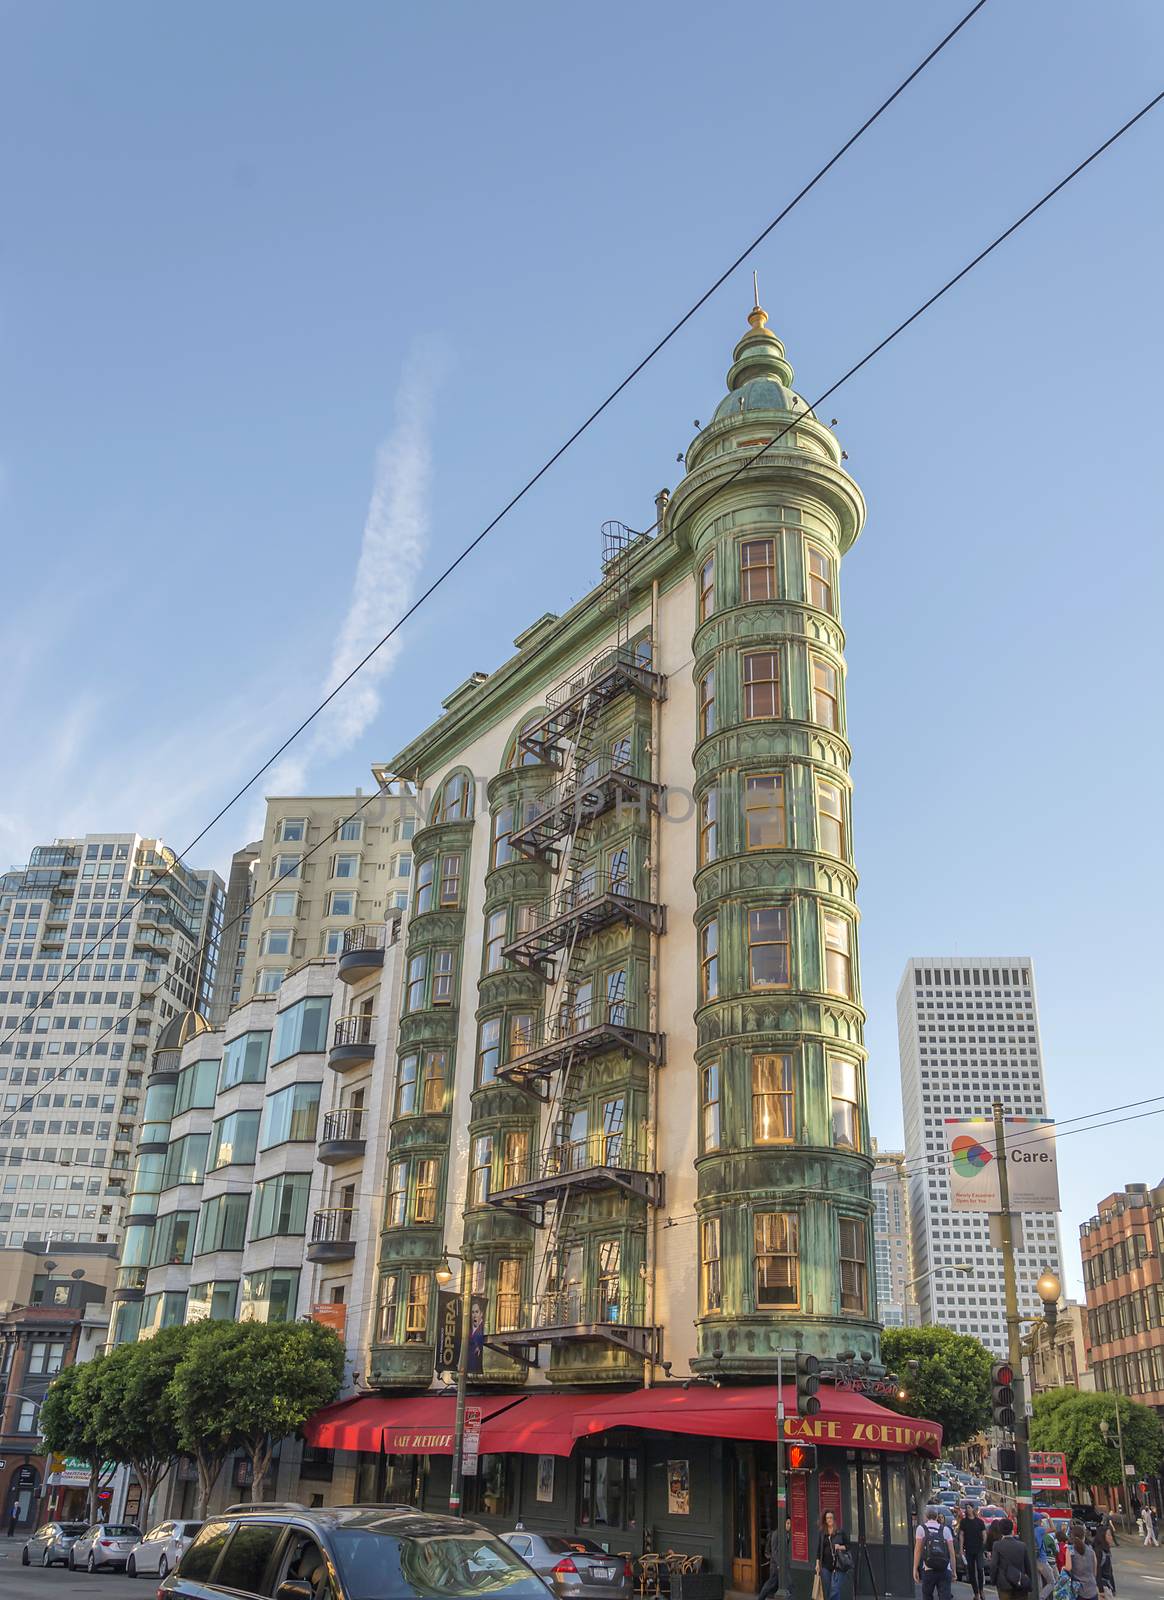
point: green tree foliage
(951, 1385)
(250, 1384)
(72, 1424)
(1069, 1421)
(135, 1409)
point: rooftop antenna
(755, 290)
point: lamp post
(1105, 1429)
(444, 1276)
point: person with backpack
(1011, 1572)
(973, 1536)
(933, 1556)
(1082, 1565)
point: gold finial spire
(757, 317)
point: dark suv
(348, 1553)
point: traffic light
(1002, 1394)
(1007, 1461)
(801, 1457)
(807, 1383)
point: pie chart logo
(968, 1157)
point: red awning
(730, 1413)
(420, 1424)
(550, 1423)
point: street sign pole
(1023, 1496)
(781, 1510)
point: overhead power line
(557, 455)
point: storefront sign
(331, 1314)
(798, 1512)
(1032, 1174)
(68, 1472)
(829, 1491)
(910, 1433)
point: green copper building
(630, 1081)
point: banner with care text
(1032, 1171)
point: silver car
(104, 1544)
(575, 1569)
(51, 1543)
(162, 1548)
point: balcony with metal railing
(606, 1315)
(353, 1041)
(576, 1032)
(588, 690)
(333, 1234)
(577, 799)
(362, 951)
(587, 904)
(597, 1161)
(343, 1136)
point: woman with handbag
(1082, 1566)
(833, 1560)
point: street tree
(1069, 1421)
(72, 1423)
(135, 1407)
(950, 1383)
(248, 1385)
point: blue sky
(285, 289)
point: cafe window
(490, 1492)
(608, 1492)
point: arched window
(454, 798)
(515, 755)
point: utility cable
(291, 874)
(553, 459)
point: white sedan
(162, 1548)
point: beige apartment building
(328, 861)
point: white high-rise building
(968, 1034)
(892, 1257)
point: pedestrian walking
(933, 1556)
(1010, 1564)
(1083, 1565)
(1148, 1525)
(973, 1536)
(1102, 1541)
(833, 1560)
(772, 1552)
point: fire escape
(578, 1023)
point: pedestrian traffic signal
(801, 1457)
(1007, 1461)
(807, 1383)
(1002, 1394)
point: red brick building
(1123, 1275)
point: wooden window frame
(833, 820)
(709, 961)
(710, 1266)
(416, 981)
(709, 826)
(834, 952)
(396, 1211)
(430, 1080)
(424, 1191)
(774, 1104)
(495, 943)
(751, 685)
(711, 1104)
(847, 1065)
(816, 584)
(707, 588)
(514, 1157)
(405, 1083)
(501, 852)
(387, 1308)
(784, 943)
(707, 704)
(485, 1049)
(858, 1265)
(480, 1169)
(825, 697)
(449, 895)
(507, 1297)
(780, 790)
(416, 1308)
(750, 571)
(444, 971)
(424, 887)
(765, 1249)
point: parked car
(51, 1544)
(162, 1548)
(577, 1568)
(348, 1553)
(103, 1544)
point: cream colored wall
(677, 1274)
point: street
(58, 1583)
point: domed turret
(181, 1029)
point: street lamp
(1049, 1289)
(444, 1276)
